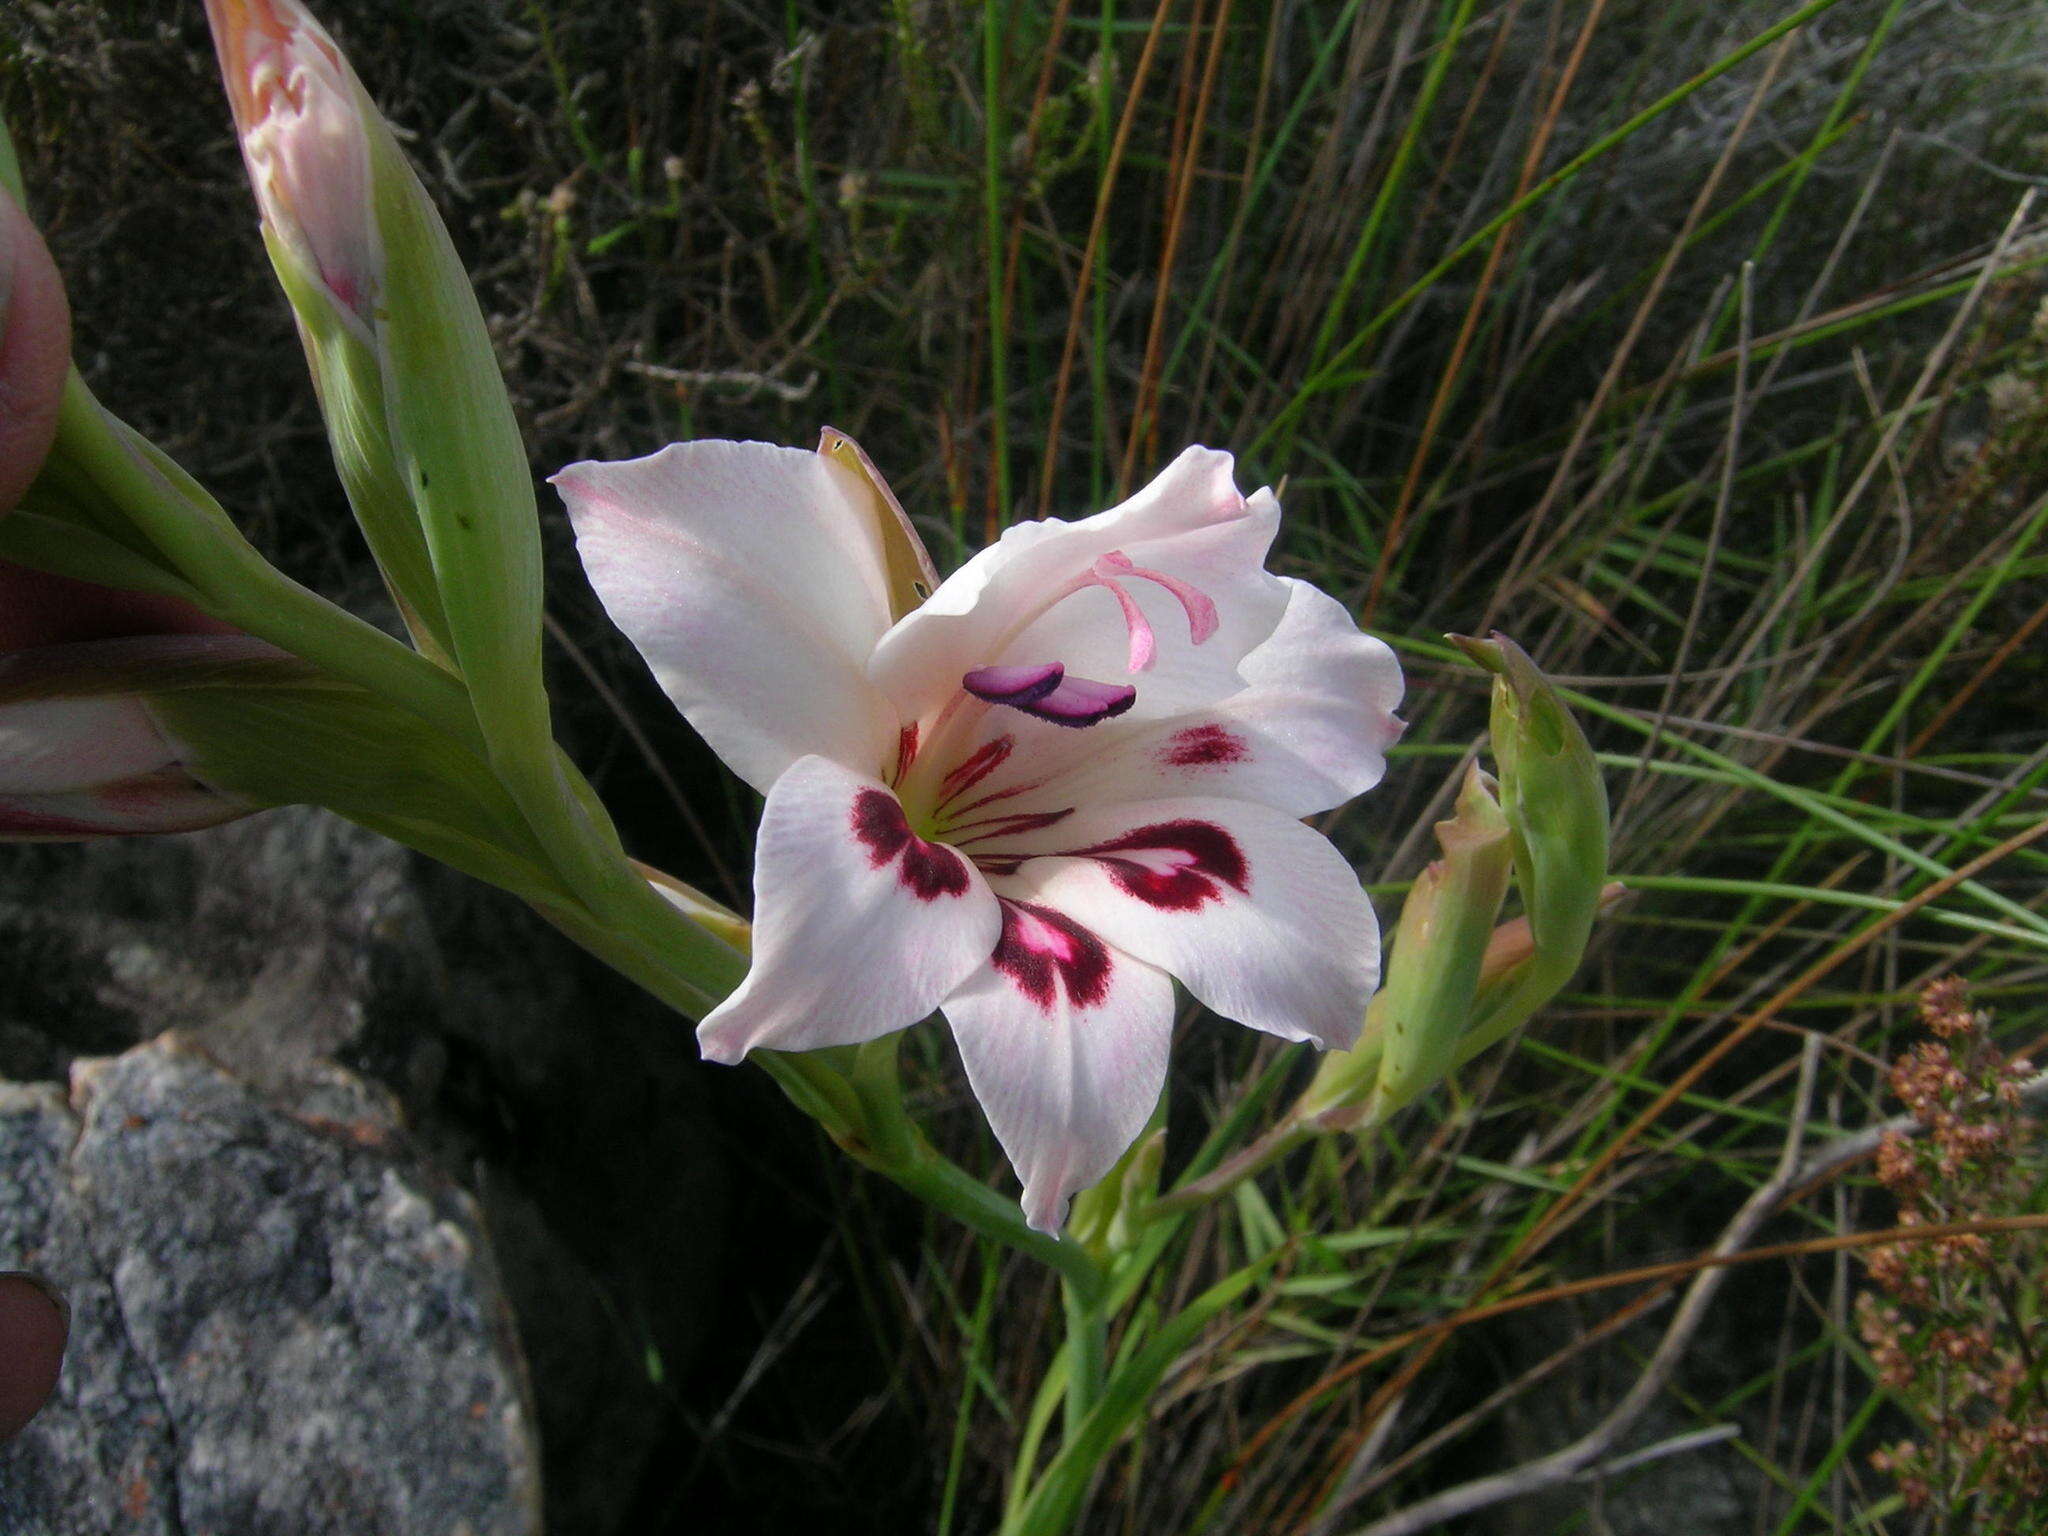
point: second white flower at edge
(1070, 774)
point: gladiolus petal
(750, 578)
(1035, 595)
(1257, 914)
(860, 926)
(1065, 1043)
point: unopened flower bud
(304, 123)
(83, 749)
(1556, 807)
(417, 414)
(1425, 1004)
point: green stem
(239, 585)
(1086, 1343)
(693, 992)
(1055, 1500)
(947, 1187)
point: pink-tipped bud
(82, 753)
(304, 125)
(97, 767)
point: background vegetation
(1699, 347)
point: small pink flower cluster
(1955, 1324)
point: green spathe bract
(456, 450)
(1423, 1010)
(348, 377)
(282, 734)
(1442, 1002)
(1556, 808)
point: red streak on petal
(998, 794)
(1008, 826)
(984, 760)
(906, 752)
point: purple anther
(1080, 702)
(1045, 692)
(1016, 686)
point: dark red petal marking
(879, 822)
(1006, 826)
(932, 870)
(983, 761)
(1044, 953)
(906, 752)
(1176, 866)
(1204, 746)
(927, 870)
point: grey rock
(99, 1457)
(306, 956)
(260, 934)
(283, 1321)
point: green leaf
(280, 734)
(456, 446)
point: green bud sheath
(348, 378)
(282, 734)
(308, 132)
(1426, 1006)
(1556, 807)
